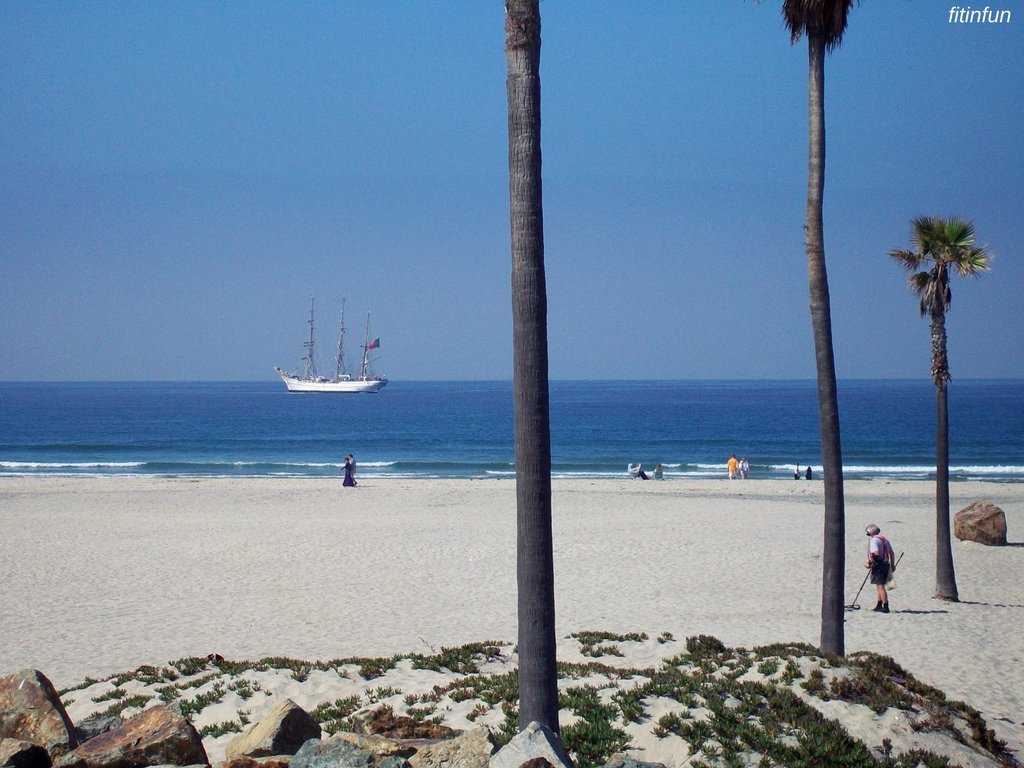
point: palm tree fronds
(909, 260)
(957, 232)
(973, 262)
(825, 17)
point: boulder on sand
(31, 710)
(157, 736)
(282, 732)
(982, 522)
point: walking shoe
(885, 608)
(878, 606)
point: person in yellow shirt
(732, 465)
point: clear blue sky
(176, 179)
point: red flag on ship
(374, 344)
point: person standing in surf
(350, 471)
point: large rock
(274, 761)
(339, 753)
(470, 750)
(534, 742)
(23, 754)
(31, 710)
(379, 746)
(285, 728)
(619, 760)
(92, 727)
(384, 722)
(982, 522)
(157, 736)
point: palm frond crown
(825, 17)
(940, 245)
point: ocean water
(464, 429)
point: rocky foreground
(700, 704)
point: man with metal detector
(881, 561)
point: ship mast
(366, 349)
(339, 361)
(309, 370)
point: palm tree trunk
(834, 547)
(945, 575)
(538, 675)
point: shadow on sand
(918, 613)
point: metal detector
(854, 605)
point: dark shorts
(879, 571)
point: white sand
(104, 574)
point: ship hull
(352, 386)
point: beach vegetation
(791, 672)
(491, 689)
(168, 693)
(630, 704)
(372, 668)
(420, 714)
(334, 716)
(705, 646)
(815, 682)
(942, 247)
(219, 729)
(198, 682)
(509, 725)
(244, 687)
(147, 675)
(535, 580)
(725, 719)
(114, 693)
(120, 705)
(192, 707)
(463, 659)
(593, 737)
(382, 692)
(190, 665)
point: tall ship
(310, 380)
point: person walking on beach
(350, 471)
(744, 468)
(732, 465)
(880, 563)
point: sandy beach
(105, 574)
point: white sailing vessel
(341, 380)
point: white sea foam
(69, 464)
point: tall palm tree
(823, 23)
(538, 675)
(941, 246)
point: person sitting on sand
(637, 471)
(659, 473)
(880, 562)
